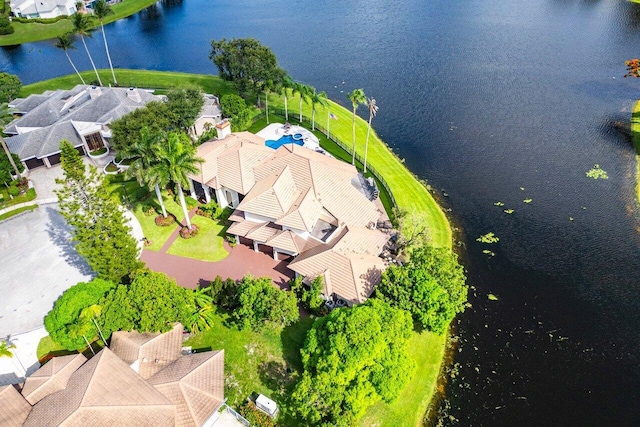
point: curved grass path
(427, 349)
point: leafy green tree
(245, 62)
(235, 108)
(316, 99)
(309, 297)
(6, 117)
(356, 97)
(83, 27)
(176, 158)
(185, 105)
(6, 168)
(155, 116)
(142, 152)
(65, 42)
(260, 302)
(373, 110)
(99, 225)
(101, 10)
(431, 286)
(223, 292)
(151, 303)
(67, 311)
(10, 87)
(352, 358)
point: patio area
(275, 131)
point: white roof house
(43, 8)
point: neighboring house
(43, 8)
(187, 390)
(81, 115)
(295, 202)
(210, 115)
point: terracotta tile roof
(14, 408)
(263, 233)
(51, 377)
(104, 392)
(272, 196)
(236, 216)
(195, 384)
(287, 240)
(303, 214)
(244, 227)
(349, 263)
(147, 353)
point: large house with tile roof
(173, 390)
(300, 205)
(43, 8)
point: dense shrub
(13, 190)
(223, 292)
(255, 416)
(190, 202)
(149, 210)
(261, 303)
(210, 210)
(309, 296)
(39, 20)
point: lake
(490, 101)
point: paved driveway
(38, 264)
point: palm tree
(143, 154)
(101, 10)
(203, 318)
(268, 87)
(65, 42)
(6, 117)
(303, 90)
(285, 85)
(5, 349)
(82, 27)
(316, 99)
(356, 97)
(176, 158)
(373, 110)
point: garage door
(34, 163)
(55, 159)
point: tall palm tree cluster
(83, 27)
(287, 87)
(161, 158)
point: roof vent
(134, 95)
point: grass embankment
(7, 201)
(635, 135)
(15, 212)
(245, 352)
(34, 31)
(135, 78)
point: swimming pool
(285, 139)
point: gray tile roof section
(43, 142)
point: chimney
(94, 92)
(134, 95)
(224, 129)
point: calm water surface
(489, 101)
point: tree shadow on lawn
(60, 234)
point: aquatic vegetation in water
(492, 297)
(527, 200)
(498, 204)
(488, 238)
(509, 211)
(597, 173)
(488, 252)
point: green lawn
(255, 361)
(46, 346)
(206, 246)
(33, 31)
(8, 201)
(136, 78)
(17, 211)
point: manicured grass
(136, 78)
(33, 31)
(427, 350)
(8, 201)
(46, 346)
(17, 211)
(207, 245)
(410, 194)
(255, 361)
